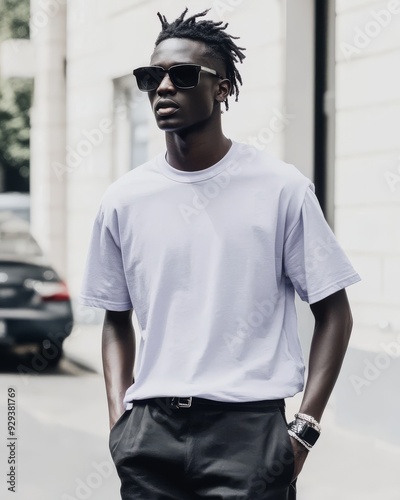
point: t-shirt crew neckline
(198, 175)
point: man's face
(179, 109)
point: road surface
(62, 438)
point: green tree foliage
(15, 103)
(14, 18)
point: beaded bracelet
(309, 419)
(295, 436)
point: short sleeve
(313, 260)
(104, 282)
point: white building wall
(106, 41)
(368, 208)
(368, 159)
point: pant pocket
(123, 434)
(119, 420)
(273, 475)
(286, 453)
(114, 435)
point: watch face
(307, 433)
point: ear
(223, 90)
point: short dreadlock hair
(219, 43)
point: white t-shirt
(210, 261)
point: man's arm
(333, 324)
(118, 354)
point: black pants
(203, 452)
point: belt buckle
(181, 402)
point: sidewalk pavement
(344, 465)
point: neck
(196, 150)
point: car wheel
(51, 352)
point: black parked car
(35, 307)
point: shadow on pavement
(32, 363)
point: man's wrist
(305, 429)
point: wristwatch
(305, 431)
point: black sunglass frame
(158, 79)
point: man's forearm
(118, 354)
(333, 324)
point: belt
(191, 402)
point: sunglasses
(183, 76)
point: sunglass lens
(185, 76)
(149, 78)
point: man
(208, 243)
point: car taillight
(50, 290)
